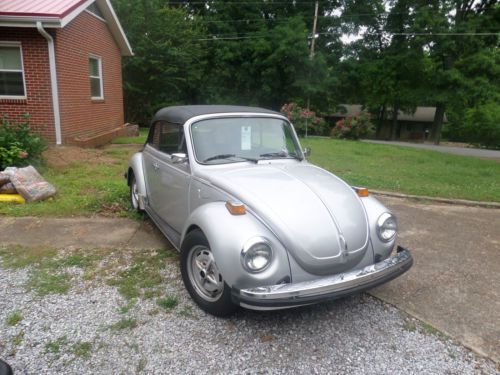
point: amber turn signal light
(362, 192)
(236, 208)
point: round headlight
(256, 254)
(387, 227)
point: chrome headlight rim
(381, 226)
(247, 249)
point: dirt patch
(61, 156)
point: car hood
(317, 216)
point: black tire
(5, 369)
(134, 199)
(220, 304)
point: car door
(167, 181)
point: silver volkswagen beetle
(256, 224)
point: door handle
(156, 166)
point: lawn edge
(460, 202)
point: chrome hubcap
(204, 274)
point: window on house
(95, 74)
(11, 71)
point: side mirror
(179, 157)
(307, 151)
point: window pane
(170, 138)
(10, 58)
(93, 67)
(95, 87)
(11, 83)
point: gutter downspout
(53, 80)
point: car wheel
(202, 278)
(134, 194)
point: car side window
(168, 138)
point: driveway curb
(461, 202)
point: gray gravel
(356, 335)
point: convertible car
(256, 224)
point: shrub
(18, 146)
(482, 125)
(301, 117)
(355, 127)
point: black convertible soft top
(180, 114)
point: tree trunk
(394, 126)
(380, 122)
(438, 123)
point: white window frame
(101, 79)
(15, 44)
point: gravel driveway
(96, 326)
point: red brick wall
(37, 76)
(81, 116)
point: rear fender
(227, 234)
(136, 167)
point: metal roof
(47, 8)
(180, 114)
(57, 14)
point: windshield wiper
(280, 154)
(220, 156)
(227, 156)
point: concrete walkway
(453, 284)
(477, 152)
(82, 233)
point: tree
(168, 61)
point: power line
(222, 37)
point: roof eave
(57, 22)
(29, 21)
(115, 27)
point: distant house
(60, 61)
(410, 126)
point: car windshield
(236, 139)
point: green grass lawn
(141, 139)
(408, 170)
(91, 182)
(88, 182)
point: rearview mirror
(307, 151)
(179, 157)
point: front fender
(374, 209)
(226, 235)
(136, 166)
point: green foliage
(302, 118)
(168, 60)
(18, 145)
(14, 318)
(482, 125)
(168, 303)
(125, 323)
(355, 127)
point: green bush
(482, 125)
(302, 118)
(18, 146)
(353, 127)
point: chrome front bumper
(336, 286)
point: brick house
(60, 61)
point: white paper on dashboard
(246, 138)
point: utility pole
(311, 53)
